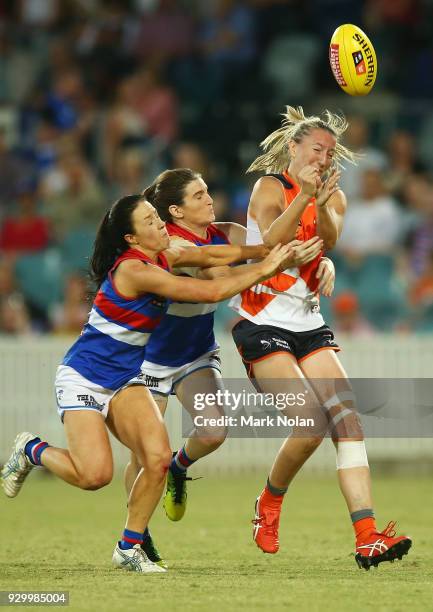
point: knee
(214, 441)
(96, 479)
(158, 462)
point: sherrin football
(353, 60)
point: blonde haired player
(282, 336)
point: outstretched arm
(133, 278)
(300, 253)
(215, 255)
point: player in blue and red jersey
(135, 287)
(182, 354)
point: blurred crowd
(98, 96)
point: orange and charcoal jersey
(290, 298)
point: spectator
(125, 125)
(357, 138)
(228, 35)
(157, 104)
(77, 199)
(402, 163)
(165, 33)
(14, 316)
(421, 299)
(373, 223)
(26, 230)
(132, 173)
(12, 169)
(348, 318)
(419, 197)
(70, 316)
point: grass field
(55, 537)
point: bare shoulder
(133, 277)
(132, 267)
(267, 191)
(269, 184)
(338, 202)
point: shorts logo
(147, 380)
(280, 343)
(60, 393)
(89, 401)
(267, 344)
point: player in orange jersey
(282, 336)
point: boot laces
(268, 520)
(389, 531)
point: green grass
(55, 537)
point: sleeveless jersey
(186, 331)
(111, 347)
(288, 299)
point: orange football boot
(267, 521)
(375, 547)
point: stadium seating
(39, 277)
(76, 250)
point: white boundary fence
(27, 399)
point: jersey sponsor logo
(89, 401)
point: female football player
(299, 197)
(182, 354)
(134, 289)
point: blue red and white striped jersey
(111, 348)
(186, 331)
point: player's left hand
(327, 188)
(326, 275)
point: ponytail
(110, 238)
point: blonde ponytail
(295, 125)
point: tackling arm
(215, 255)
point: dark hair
(169, 188)
(110, 239)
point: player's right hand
(309, 180)
(304, 252)
(273, 262)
